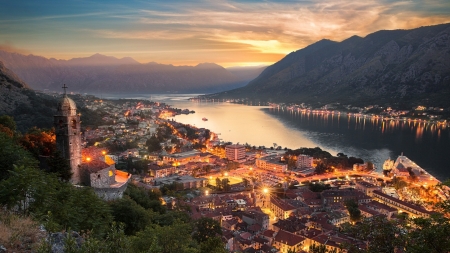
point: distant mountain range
(105, 74)
(398, 67)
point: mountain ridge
(98, 73)
(388, 66)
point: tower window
(61, 124)
(74, 124)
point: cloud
(276, 27)
(225, 31)
(8, 47)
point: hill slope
(106, 74)
(397, 67)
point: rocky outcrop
(384, 67)
(11, 90)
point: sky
(185, 32)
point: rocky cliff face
(27, 107)
(11, 90)
(384, 67)
(105, 74)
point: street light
(265, 190)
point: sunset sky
(229, 33)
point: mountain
(106, 74)
(398, 67)
(11, 90)
(246, 73)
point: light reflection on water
(371, 139)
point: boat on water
(204, 119)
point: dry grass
(19, 234)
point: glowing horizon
(228, 33)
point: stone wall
(108, 194)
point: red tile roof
(288, 238)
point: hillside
(105, 74)
(399, 67)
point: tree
(398, 183)
(147, 199)
(8, 122)
(429, 235)
(60, 166)
(13, 154)
(318, 187)
(218, 183)
(134, 216)
(40, 142)
(53, 201)
(292, 163)
(153, 144)
(206, 228)
(226, 184)
(166, 239)
(321, 168)
(213, 244)
(353, 210)
(382, 235)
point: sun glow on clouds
(225, 32)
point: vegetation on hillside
(136, 223)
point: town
(267, 199)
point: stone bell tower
(68, 134)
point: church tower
(68, 134)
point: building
(281, 209)
(272, 163)
(285, 241)
(366, 187)
(184, 182)
(177, 159)
(158, 171)
(413, 210)
(107, 182)
(304, 161)
(235, 152)
(68, 134)
(336, 197)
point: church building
(89, 166)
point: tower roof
(67, 106)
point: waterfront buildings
(272, 163)
(235, 152)
(304, 161)
(182, 158)
(413, 210)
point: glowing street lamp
(265, 190)
(88, 159)
(226, 174)
(206, 193)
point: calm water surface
(372, 140)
